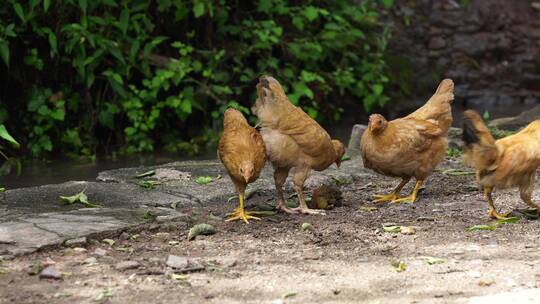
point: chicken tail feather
(480, 149)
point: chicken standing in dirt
(508, 162)
(292, 140)
(241, 150)
(411, 146)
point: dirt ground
(346, 258)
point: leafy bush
(9, 163)
(82, 76)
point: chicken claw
(492, 213)
(392, 196)
(407, 199)
(412, 197)
(383, 198)
(305, 210)
(241, 214)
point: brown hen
(411, 146)
(292, 140)
(241, 150)
(508, 162)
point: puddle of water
(35, 173)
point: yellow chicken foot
(392, 196)
(492, 213)
(240, 214)
(412, 197)
(383, 198)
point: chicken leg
(411, 198)
(241, 214)
(492, 213)
(280, 175)
(392, 196)
(526, 194)
(300, 176)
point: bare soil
(346, 258)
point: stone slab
(33, 218)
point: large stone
(36, 219)
(353, 149)
(517, 122)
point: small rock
(485, 283)
(100, 252)
(79, 250)
(183, 264)
(155, 260)
(125, 265)
(50, 273)
(474, 274)
(90, 261)
(124, 236)
(76, 242)
(229, 263)
(48, 262)
(162, 235)
(436, 43)
(407, 230)
(178, 262)
(6, 257)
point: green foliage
(454, 152)
(9, 162)
(138, 75)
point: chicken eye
(241, 170)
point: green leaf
(434, 260)
(19, 11)
(108, 241)
(388, 3)
(53, 43)
(481, 227)
(124, 20)
(203, 180)
(508, 220)
(79, 198)
(145, 174)
(392, 229)
(149, 216)
(46, 5)
(83, 5)
(198, 9)
(378, 88)
(311, 13)
(115, 51)
(201, 229)
(398, 266)
(6, 136)
(4, 51)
